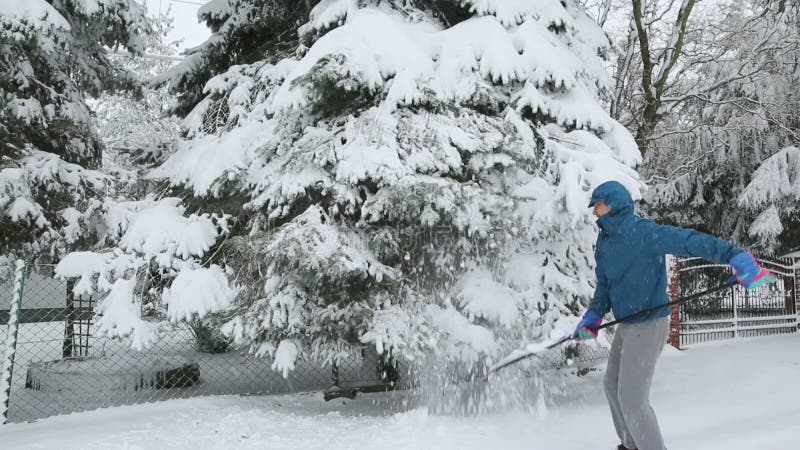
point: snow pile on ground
(735, 395)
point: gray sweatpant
(631, 365)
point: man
(631, 276)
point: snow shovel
(531, 350)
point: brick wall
(674, 289)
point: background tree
(707, 116)
(657, 67)
(136, 128)
(721, 130)
(54, 55)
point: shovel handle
(729, 283)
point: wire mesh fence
(60, 365)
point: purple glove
(587, 328)
(749, 273)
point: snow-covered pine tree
(243, 32)
(53, 55)
(414, 177)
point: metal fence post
(796, 286)
(736, 294)
(11, 339)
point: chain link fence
(60, 366)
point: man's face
(601, 208)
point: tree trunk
(647, 126)
(654, 81)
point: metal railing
(737, 312)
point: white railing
(736, 327)
(767, 310)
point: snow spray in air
(460, 388)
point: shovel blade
(529, 351)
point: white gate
(737, 312)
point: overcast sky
(184, 12)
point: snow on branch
(480, 296)
(36, 13)
(206, 162)
(396, 330)
(84, 265)
(514, 12)
(776, 181)
(775, 192)
(767, 225)
(422, 51)
(120, 316)
(161, 230)
(462, 339)
(310, 245)
(198, 292)
(326, 13)
(285, 357)
(37, 173)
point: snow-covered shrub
(207, 334)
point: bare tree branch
(606, 8)
(673, 50)
(653, 85)
(683, 167)
(644, 47)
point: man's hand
(587, 328)
(749, 273)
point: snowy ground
(733, 395)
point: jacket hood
(615, 195)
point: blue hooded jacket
(631, 268)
